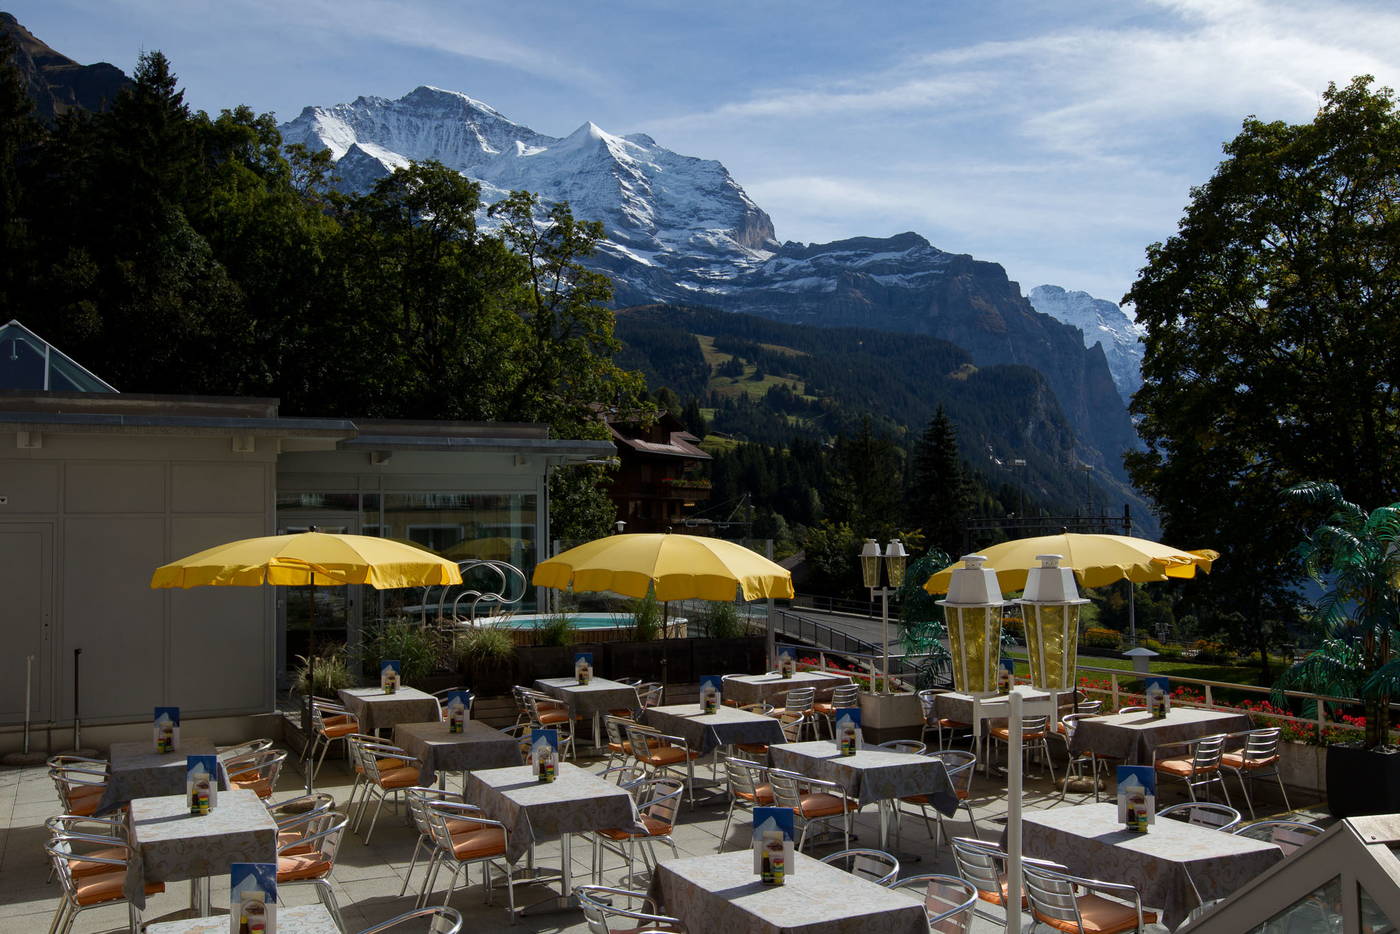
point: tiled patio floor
(367, 879)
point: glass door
(336, 610)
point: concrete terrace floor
(367, 879)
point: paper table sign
(786, 663)
(711, 693)
(1158, 696)
(458, 709)
(389, 669)
(583, 667)
(201, 783)
(848, 730)
(252, 898)
(544, 754)
(167, 730)
(772, 844)
(1006, 675)
(1137, 796)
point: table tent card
(167, 730)
(202, 783)
(1158, 696)
(848, 737)
(711, 693)
(787, 664)
(253, 898)
(1137, 796)
(1006, 675)
(544, 754)
(459, 710)
(583, 667)
(389, 675)
(772, 844)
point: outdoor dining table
(135, 770)
(871, 775)
(977, 711)
(757, 689)
(722, 893)
(169, 844)
(702, 732)
(593, 699)
(303, 919)
(379, 711)
(576, 801)
(1132, 737)
(1175, 866)
(478, 746)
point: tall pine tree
(939, 497)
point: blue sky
(1056, 138)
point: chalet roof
(681, 444)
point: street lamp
(972, 612)
(895, 557)
(1050, 608)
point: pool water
(580, 620)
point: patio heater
(972, 611)
(895, 557)
(1050, 608)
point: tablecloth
(134, 770)
(872, 774)
(756, 689)
(703, 732)
(379, 711)
(478, 746)
(599, 695)
(1132, 737)
(303, 919)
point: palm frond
(1384, 683)
(1334, 668)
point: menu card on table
(847, 730)
(252, 902)
(787, 664)
(544, 754)
(583, 667)
(167, 730)
(1158, 696)
(201, 783)
(772, 844)
(1137, 796)
(1006, 675)
(458, 709)
(389, 669)
(711, 693)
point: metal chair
(747, 789)
(382, 782)
(1258, 759)
(104, 837)
(649, 693)
(1065, 731)
(813, 802)
(102, 885)
(1200, 770)
(658, 752)
(1075, 905)
(80, 783)
(1034, 732)
(256, 772)
(789, 723)
(911, 746)
(983, 866)
(799, 700)
(444, 921)
(239, 750)
(948, 901)
(1287, 835)
(310, 859)
(476, 840)
(845, 695)
(1132, 710)
(871, 865)
(619, 749)
(960, 765)
(658, 803)
(929, 705)
(600, 908)
(547, 713)
(419, 797)
(1204, 814)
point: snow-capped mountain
(1102, 323)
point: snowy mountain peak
(1103, 323)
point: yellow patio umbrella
(680, 567)
(1096, 559)
(495, 547)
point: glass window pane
(1318, 912)
(1373, 920)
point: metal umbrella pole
(25, 757)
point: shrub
(556, 629)
(1103, 638)
(419, 650)
(722, 621)
(646, 618)
(1212, 653)
(1154, 645)
(484, 646)
(332, 672)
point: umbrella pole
(307, 718)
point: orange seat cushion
(655, 828)
(403, 777)
(953, 724)
(763, 796)
(260, 786)
(479, 844)
(669, 755)
(337, 730)
(294, 867)
(1237, 760)
(86, 867)
(757, 748)
(84, 791)
(824, 805)
(107, 887)
(1100, 916)
(1179, 767)
(825, 709)
(83, 807)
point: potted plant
(1356, 557)
(485, 654)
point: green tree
(1269, 320)
(867, 483)
(938, 499)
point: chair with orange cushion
(105, 837)
(389, 771)
(1258, 759)
(748, 788)
(1076, 762)
(813, 801)
(419, 797)
(256, 772)
(1035, 732)
(357, 766)
(293, 815)
(1200, 769)
(462, 836)
(658, 752)
(101, 883)
(800, 700)
(948, 901)
(80, 783)
(791, 724)
(310, 860)
(330, 722)
(440, 921)
(602, 905)
(960, 766)
(549, 713)
(1077, 905)
(936, 724)
(658, 803)
(845, 695)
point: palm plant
(1356, 557)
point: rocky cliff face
(56, 83)
(1102, 323)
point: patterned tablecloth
(721, 893)
(757, 689)
(169, 844)
(872, 774)
(703, 732)
(478, 746)
(1175, 865)
(576, 801)
(134, 771)
(1133, 736)
(304, 919)
(379, 711)
(959, 707)
(599, 695)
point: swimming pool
(580, 620)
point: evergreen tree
(939, 498)
(694, 419)
(867, 483)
